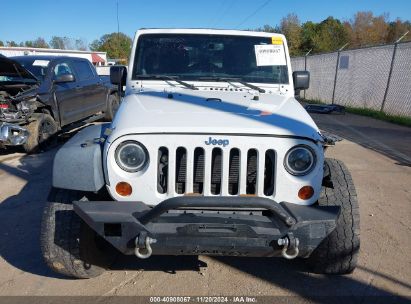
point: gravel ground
(378, 155)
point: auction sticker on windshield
(277, 40)
(269, 55)
(42, 63)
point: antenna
(118, 23)
(118, 31)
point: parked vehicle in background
(39, 95)
(103, 70)
(209, 154)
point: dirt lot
(379, 157)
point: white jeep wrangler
(208, 154)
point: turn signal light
(124, 189)
(306, 192)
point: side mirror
(64, 78)
(301, 80)
(118, 74)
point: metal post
(336, 71)
(389, 77)
(305, 64)
(394, 52)
(335, 76)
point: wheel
(41, 132)
(69, 246)
(338, 253)
(113, 104)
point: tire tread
(65, 256)
(338, 253)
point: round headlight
(131, 156)
(299, 160)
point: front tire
(338, 253)
(41, 131)
(69, 246)
(113, 104)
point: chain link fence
(377, 78)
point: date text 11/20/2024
(203, 299)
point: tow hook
(290, 246)
(143, 245)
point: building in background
(96, 58)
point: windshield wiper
(167, 77)
(234, 79)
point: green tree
(12, 43)
(40, 43)
(27, 43)
(1, 43)
(366, 29)
(332, 34)
(309, 36)
(290, 26)
(68, 43)
(95, 45)
(80, 44)
(268, 28)
(58, 42)
(117, 45)
(326, 36)
(398, 28)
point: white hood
(230, 112)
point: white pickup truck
(208, 154)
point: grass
(397, 119)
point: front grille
(234, 172)
(181, 170)
(251, 171)
(198, 170)
(216, 171)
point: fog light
(306, 192)
(124, 189)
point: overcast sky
(89, 19)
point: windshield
(198, 56)
(38, 67)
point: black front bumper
(193, 225)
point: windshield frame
(27, 63)
(284, 79)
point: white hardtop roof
(207, 31)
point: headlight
(131, 156)
(299, 160)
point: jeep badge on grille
(217, 142)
